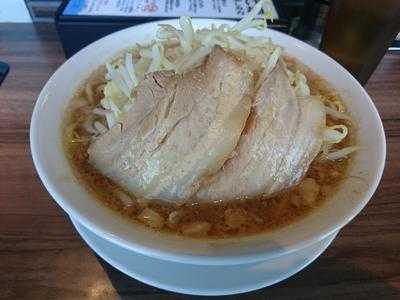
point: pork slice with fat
(282, 136)
(181, 129)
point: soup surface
(219, 219)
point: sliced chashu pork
(179, 130)
(282, 136)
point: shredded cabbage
(194, 58)
(188, 34)
(335, 134)
(341, 153)
(299, 82)
(272, 60)
(156, 53)
(246, 22)
(179, 50)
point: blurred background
(356, 33)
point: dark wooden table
(42, 256)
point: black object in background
(4, 68)
(358, 33)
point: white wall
(14, 11)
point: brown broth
(250, 216)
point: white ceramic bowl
(57, 176)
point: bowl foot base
(203, 280)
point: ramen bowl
(98, 223)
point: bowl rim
(98, 227)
